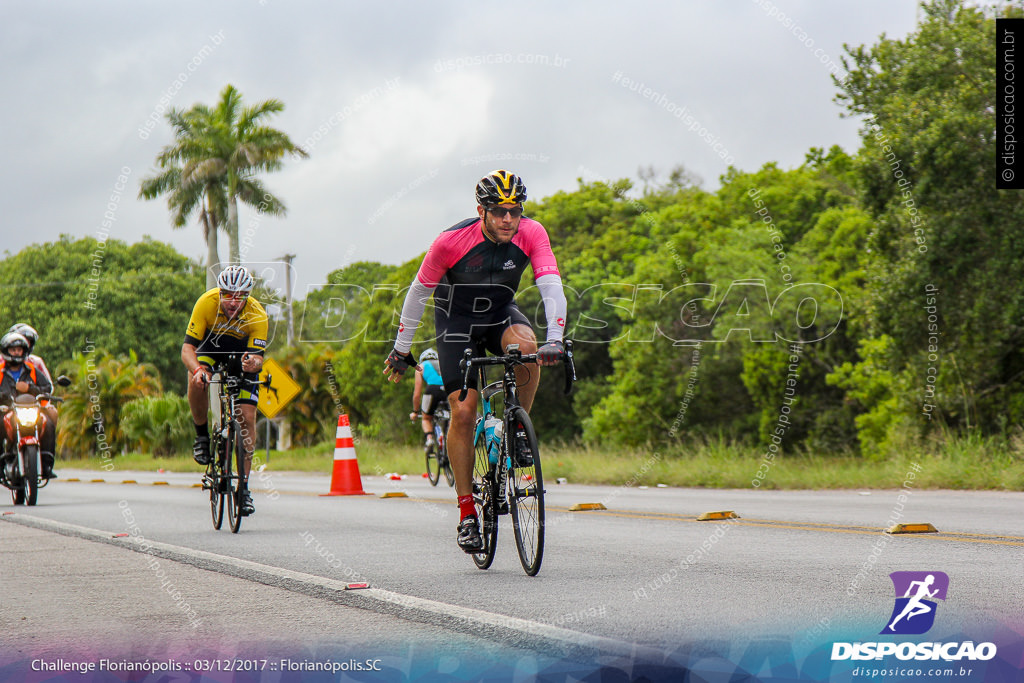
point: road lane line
(513, 630)
(961, 536)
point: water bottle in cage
(493, 428)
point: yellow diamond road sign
(281, 391)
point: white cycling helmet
(429, 354)
(235, 279)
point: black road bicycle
(437, 452)
(224, 477)
(507, 474)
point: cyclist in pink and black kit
(473, 270)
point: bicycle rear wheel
(433, 464)
(526, 490)
(486, 506)
(234, 482)
(214, 477)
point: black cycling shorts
(456, 334)
(250, 392)
(433, 394)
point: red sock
(466, 507)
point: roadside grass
(964, 463)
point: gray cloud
(425, 99)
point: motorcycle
(23, 423)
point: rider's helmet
(28, 332)
(10, 341)
(235, 279)
(429, 354)
(500, 187)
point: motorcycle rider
(19, 375)
(29, 333)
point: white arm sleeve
(412, 311)
(555, 307)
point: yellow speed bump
(73, 479)
(129, 481)
(197, 485)
(587, 506)
(912, 529)
(161, 483)
(97, 481)
(394, 494)
(721, 514)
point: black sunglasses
(501, 212)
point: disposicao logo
(913, 614)
(916, 595)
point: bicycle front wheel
(486, 505)
(214, 477)
(525, 489)
(234, 483)
(441, 434)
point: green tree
(313, 414)
(161, 425)
(225, 148)
(106, 294)
(926, 175)
(334, 312)
(90, 417)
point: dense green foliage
(90, 419)
(105, 294)
(161, 425)
(926, 175)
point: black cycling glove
(551, 352)
(399, 363)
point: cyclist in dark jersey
(473, 270)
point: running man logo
(916, 592)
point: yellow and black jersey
(210, 331)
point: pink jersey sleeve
(533, 239)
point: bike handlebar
(468, 362)
(228, 378)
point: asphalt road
(642, 576)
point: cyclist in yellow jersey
(225, 320)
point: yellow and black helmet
(500, 187)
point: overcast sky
(404, 107)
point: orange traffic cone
(345, 479)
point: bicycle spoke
(526, 491)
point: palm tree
(222, 150)
(189, 192)
(90, 417)
(238, 147)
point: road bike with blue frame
(507, 473)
